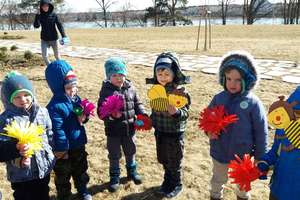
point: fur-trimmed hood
(244, 63)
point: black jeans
(76, 167)
(37, 189)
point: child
(119, 127)
(48, 19)
(29, 177)
(69, 133)
(170, 126)
(238, 76)
(286, 161)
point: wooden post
(209, 27)
(205, 32)
(198, 33)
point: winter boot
(133, 175)
(84, 193)
(114, 182)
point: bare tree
(224, 9)
(172, 4)
(105, 4)
(255, 9)
(291, 11)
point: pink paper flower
(112, 104)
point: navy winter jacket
(248, 135)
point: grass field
(197, 164)
(263, 41)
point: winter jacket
(48, 21)
(171, 125)
(68, 132)
(123, 126)
(248, 135)
(284, 183)
(42, 162)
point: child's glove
(64, 41)
(264, 168)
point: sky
(88, 5)
(91, 5)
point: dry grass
(197, 162)
(263, 41)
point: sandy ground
(197, 163)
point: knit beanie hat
(244, 63)
(164, 63)
(14, 83)
(70, 78)
(115, 65)
(168, 60)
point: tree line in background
(19, 15)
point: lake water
(214, 21)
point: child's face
(117, 80)
(164, 76)
(71, 89)
(233, 81)
(23, 100)
(45, 7)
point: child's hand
(172, 109)
(23, 148)
(25, 162)
(81, 118)
(116, 115)
(61, 154)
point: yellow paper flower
(26, 133)
(177, 100)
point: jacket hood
(244, 63)
(169, 60)
(55, 76)
(51, 7)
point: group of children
(64, 137)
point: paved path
(288, 71)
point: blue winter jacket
(68, 132)
(285, 182)
(248, 135)
(42, 162)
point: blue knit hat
(115, 65)
(244, 63)
(14, 83)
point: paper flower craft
(26, 133)
(142, 123)
(85, 107)
(112, 104)
(214, 120)
(243, 172)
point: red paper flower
(112, 104)
(214, 120)
(142, 123)
(243, 172)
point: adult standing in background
(49, 21)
